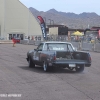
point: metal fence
(81, 44)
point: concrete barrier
(31, 42)
(87, 46)
(97, 47)
(37, 43)
(24, 41)
(6, 42)
(76, 44)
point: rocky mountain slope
(72, 20)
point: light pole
(50, 21)
(44, 19)
(88, 22)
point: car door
(37, 53)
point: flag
(43, 27)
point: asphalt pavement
(19, 82)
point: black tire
(31, 64)
(71, 69)
(45, 67)
(79, 68)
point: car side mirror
(35, 49)
(40, 50)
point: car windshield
(58, 47)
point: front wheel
(31, 64)
(79, 68)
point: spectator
(29, 37)
(36, 38)
(32, 38)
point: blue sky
(75, 6)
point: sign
(43, 27)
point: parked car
(16, 40)
(58, 54)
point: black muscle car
(58, 54)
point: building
(16, 20)
(57, 30)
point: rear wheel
(79, 68)
(31, 64)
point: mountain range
(72, 20)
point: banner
(43, 27)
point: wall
(53, 30)
(16, 18)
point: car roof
(55, 42)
